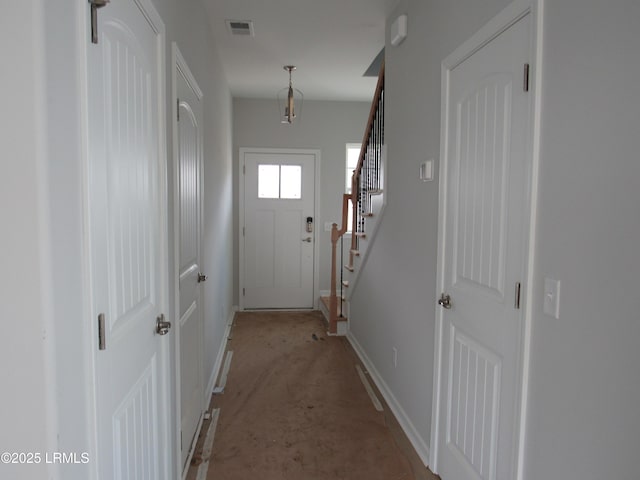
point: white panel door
(191, 328)
(484, 259)
(127, 240)
(279, 197)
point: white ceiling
(332, 43)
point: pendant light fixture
(289, 99)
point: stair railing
(366, 181)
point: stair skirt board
(409, 429)
(379, 207)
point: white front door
(485, 172)
(279, 229)
(127, 234)
(191, 328)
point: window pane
(348, 179)
(268, 181)
(353, 153)
(291, 181)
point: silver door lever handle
(308, 239)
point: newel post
(333, 298)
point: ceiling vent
(240, 27)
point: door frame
(506, 18)
(83, 36)
(316, 205)
(180, 67)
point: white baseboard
(220, 357)
(407, 426)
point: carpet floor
(294, 408)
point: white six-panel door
(279, 197)
(191, 328)
(127, 240)
(484, 258)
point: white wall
(45, 407)
(583, 418)
(25, 303)
(327, 126)
(394, 302)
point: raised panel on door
(128, 257)
(472, 404)
(483, 125)
(484, 259)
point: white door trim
(507, 17)
(316, 247)
(179, 66)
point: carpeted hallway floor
(294, 408)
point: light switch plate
(426, 170)
(552, 297)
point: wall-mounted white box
(398, 31)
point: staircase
(366, 202)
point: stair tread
(349, 268)
(345, 283)
(355, 252)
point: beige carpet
(294, 408)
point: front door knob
(202, 277)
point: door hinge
(243, 231)
(243, 292)
(178, 109)
(95, 5)
(244, 169)
(181, 447)
(525, 84)
(517, 300)
(102, 344)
